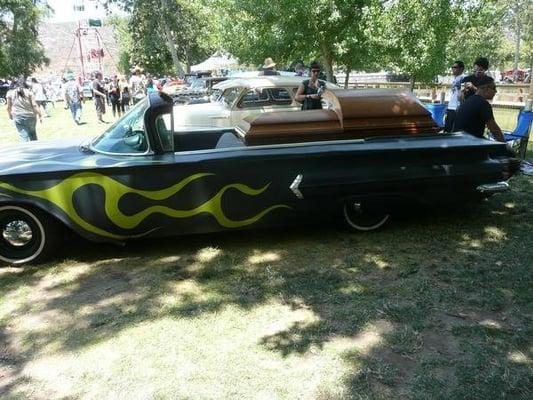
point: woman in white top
(23, 110)
(40, 95)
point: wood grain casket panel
(353, 114)
(290, 127)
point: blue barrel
(437, 113)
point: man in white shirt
(73, 97)
(453, 104)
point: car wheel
(26, 235)
(361, 217)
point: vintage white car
(235, 99)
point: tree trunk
(173, 53)
(412, 84)
(347, 77)
(517, 50)
(328, 60)
(529, 102)
(170, 41)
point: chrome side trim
(496, 187)
(295, 186)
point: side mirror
(135, 140)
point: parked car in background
(87, 89)
(198, 91)
(174, 86)
(513, 76)
(235, 99)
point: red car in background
(510, 77)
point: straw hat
(269, 63)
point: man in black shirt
(476, 112)
(471, 82)
(310, 91)
(99, 95)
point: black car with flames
(365, 153)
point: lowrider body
(144, 178)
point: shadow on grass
(435, 305)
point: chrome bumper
(490, 188)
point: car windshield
(230, 95)
(215, 95)
(127, 135)
(198, 84)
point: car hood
(57, 155)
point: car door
(225, 189)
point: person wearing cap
(73, 97)
(269, 67)
(309, 92)
(476, 112)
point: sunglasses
(315, 70)
(455, 66)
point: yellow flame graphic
(62, 196)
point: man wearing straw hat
(269, 67)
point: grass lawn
(438, 305)
(59, 125)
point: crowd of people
(29, 100)
(469, 109)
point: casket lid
(350, 114)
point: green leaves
(337, 32)
(161, 35)
(417, 37)
(20, 50)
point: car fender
(45, 208)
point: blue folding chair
(519, 138)
(438, 111)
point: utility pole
(82, 62)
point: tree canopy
(336, 32)
(415, 37)
(169, 41)
(20, 49)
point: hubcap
(17, 233)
